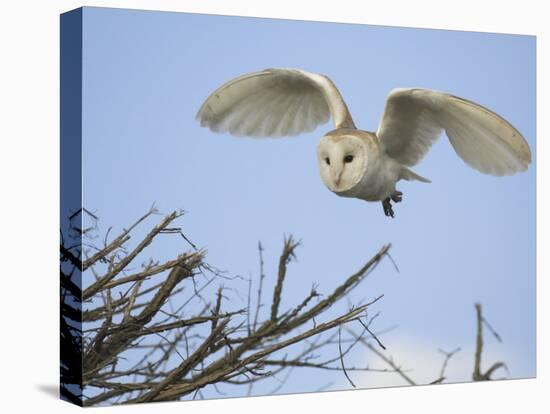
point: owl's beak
(337, 177)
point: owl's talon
(397, 196)
(388, 210)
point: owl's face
(342, 161)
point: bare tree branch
(147, 313)
(478, 375)
(169, 330)
(286, 257)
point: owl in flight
(361, 164)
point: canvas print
(264, 206)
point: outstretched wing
(274, 103)
(414, 118)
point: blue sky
(464, 238)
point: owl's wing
(274, 103)
(414, 118)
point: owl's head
(343, 157)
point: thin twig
(342, 357)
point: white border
(29, 225)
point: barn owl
(355, 163)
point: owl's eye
(348, 158)
(327, 160)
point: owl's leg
(388, 210)
(397, 196)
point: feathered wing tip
(484, 140)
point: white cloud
(422, 362)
